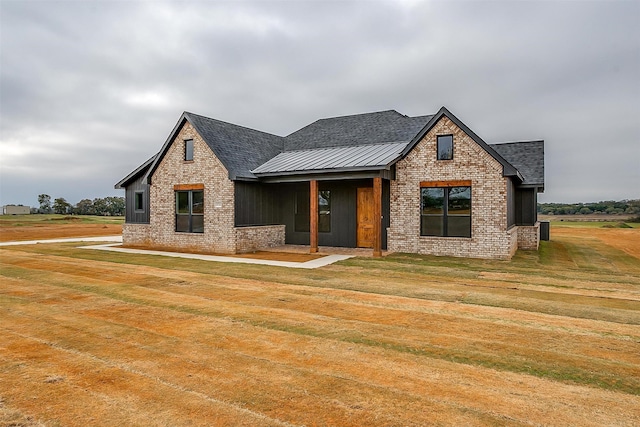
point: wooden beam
(313, 216)
(455, 183)
(186, 187)
(377, 215)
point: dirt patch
(58, 231)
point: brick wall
(489, 235)
(219, 233)
(529, 236)
(249, 239)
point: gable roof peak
(190, 114)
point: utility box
(544, 230)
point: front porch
(346, 212)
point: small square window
(188, 149)
(445, 147)
(139, 201)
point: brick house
(425, 184)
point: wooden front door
(365, 217)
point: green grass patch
(593, 224)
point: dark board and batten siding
(526, 206)
(133, 216)
(257, 204)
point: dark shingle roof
(323, 145)
(527, 157)
(360, 129)
(240, 149)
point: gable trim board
(341, 154)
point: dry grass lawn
(35, 227)
(109, 339)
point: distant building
(16, 210)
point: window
(324, 211)
(188, 149)
(138, 201)
(302, 211)
(445, 147)
(190, 211)
(445, 211)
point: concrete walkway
(66, 240)
(319, 262)
(113, 247)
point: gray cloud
(89, 90)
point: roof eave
(122, 183)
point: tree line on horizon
(107, 206)
(609, 207)
(115, 206)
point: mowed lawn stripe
(412, 285)
(410, 332)
(169, 359)
(252, 381)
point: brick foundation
(136, 234)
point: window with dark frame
(445, 147)
(324, 211)
(190, 211)
(302, 211)
(138, 201)
(188, 149)
(445, 211)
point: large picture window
(445, 211)
(190, 211)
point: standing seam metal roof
(335, 158)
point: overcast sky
(90, 90)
